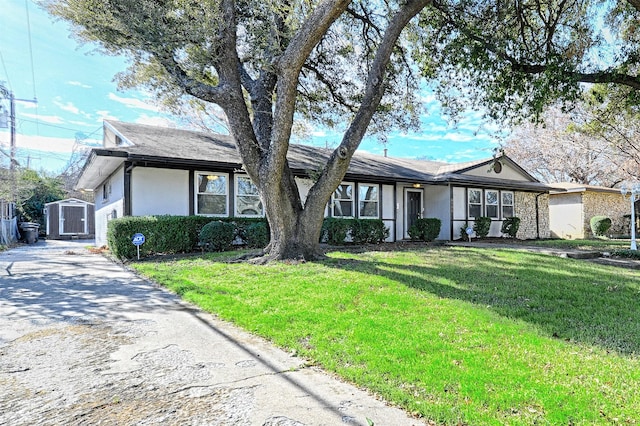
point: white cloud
(52, 119)
(69, 106)
(105, 115)
(79, 84)
(133, 103)
(41, 143)
(155, 121)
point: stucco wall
(159, 191)
(566, 215)
(611, 205)
(525, 209)
(438, 205)
(110, 206)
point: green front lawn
(456, 335)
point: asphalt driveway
(84, 341)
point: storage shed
(70, 219)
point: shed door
(72, 219)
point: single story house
(146, 170)
(572, 205)
(69, 219)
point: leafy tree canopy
(356, 63)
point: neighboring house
(145, 170)
(572, 206)
(70, 219)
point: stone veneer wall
(525, 209)
(610, 205)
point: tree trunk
(295, 231)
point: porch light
(634, 195)
(416, 185)
(212, 177)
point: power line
(4, 66)
(33, 72)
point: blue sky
(75, 92)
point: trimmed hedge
(217, 236)
(426, 229)
(164, 234)
(510, 226)
(335, 231)
(600, 225)
(482, 226)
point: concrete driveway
(83, 341)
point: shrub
(627, 253)
(463, 232)
(362, 231)
(334, 230)
(163, 234)
(426, 229)
(217, 236)
(510, 226)
(256, 235)
(600, 225)
(482, 226)
(370, 231)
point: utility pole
(8, 94)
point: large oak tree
(352, 62)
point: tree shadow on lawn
(565, 298)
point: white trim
(353, 200)
(236, 194)
(196, 193)
(61, 218)
(406, 207)
(377, 200)
(475, 204)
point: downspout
(538, 214)
(127, 202)
(450, 211)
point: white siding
(459, 211)
(507, 172)
(436, 204)
(109, 206)
(388, 211)
(159, 191)
(304, 185)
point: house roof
(167, 147)
(564, 187)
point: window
(247, 199)
(212, 194)
(507, 204)
(106, 190)
(342, 201)
(368, 200)
(491, 204)
(475, 202)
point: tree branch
(338, 163)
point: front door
(414, 209)
(72, 220)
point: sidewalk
(587, 255)
(83, 341)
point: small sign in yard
(138, 240)
(469, 232)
